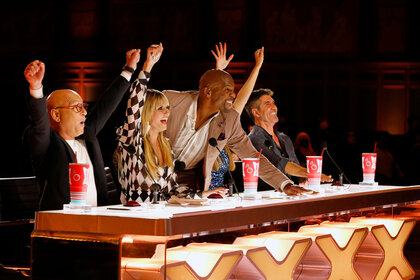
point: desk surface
(223, 213)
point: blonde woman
(145, 156)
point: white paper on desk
(273, 194)
(222, 205)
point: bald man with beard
(60, 127)
(198, 116)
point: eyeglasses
(77, 108)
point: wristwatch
(128, 68)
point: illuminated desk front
(92, 245)
(222, 214)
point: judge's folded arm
(243, 147)
(298, 171)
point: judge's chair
(18, 202)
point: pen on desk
(111, 208)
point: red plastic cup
(314, 169)
(250, 171)
(369, 167)
(78, 181)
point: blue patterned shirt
(217, 177)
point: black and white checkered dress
(132, 175)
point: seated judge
(60, 127)
(144, 154)
(199, 116)
(277, 147)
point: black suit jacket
(51, 155)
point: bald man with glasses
(61, 129)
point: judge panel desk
(72, 244)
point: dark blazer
(51, 155)
(261, 139)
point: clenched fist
(34, 73)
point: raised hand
(34, 74)
(154, 52)
(246, 90)
(259, 57)
(220, 56)
(132, 57)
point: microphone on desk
(213, 143)
(179, 166)
(340, 172)
(155, 186)
(156, 190)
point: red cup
(250, 171)
(78, 181)
(369, 167)
(314, 169)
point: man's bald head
(62, 97)
(65, 120)
(216, 88)
(214, 79)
